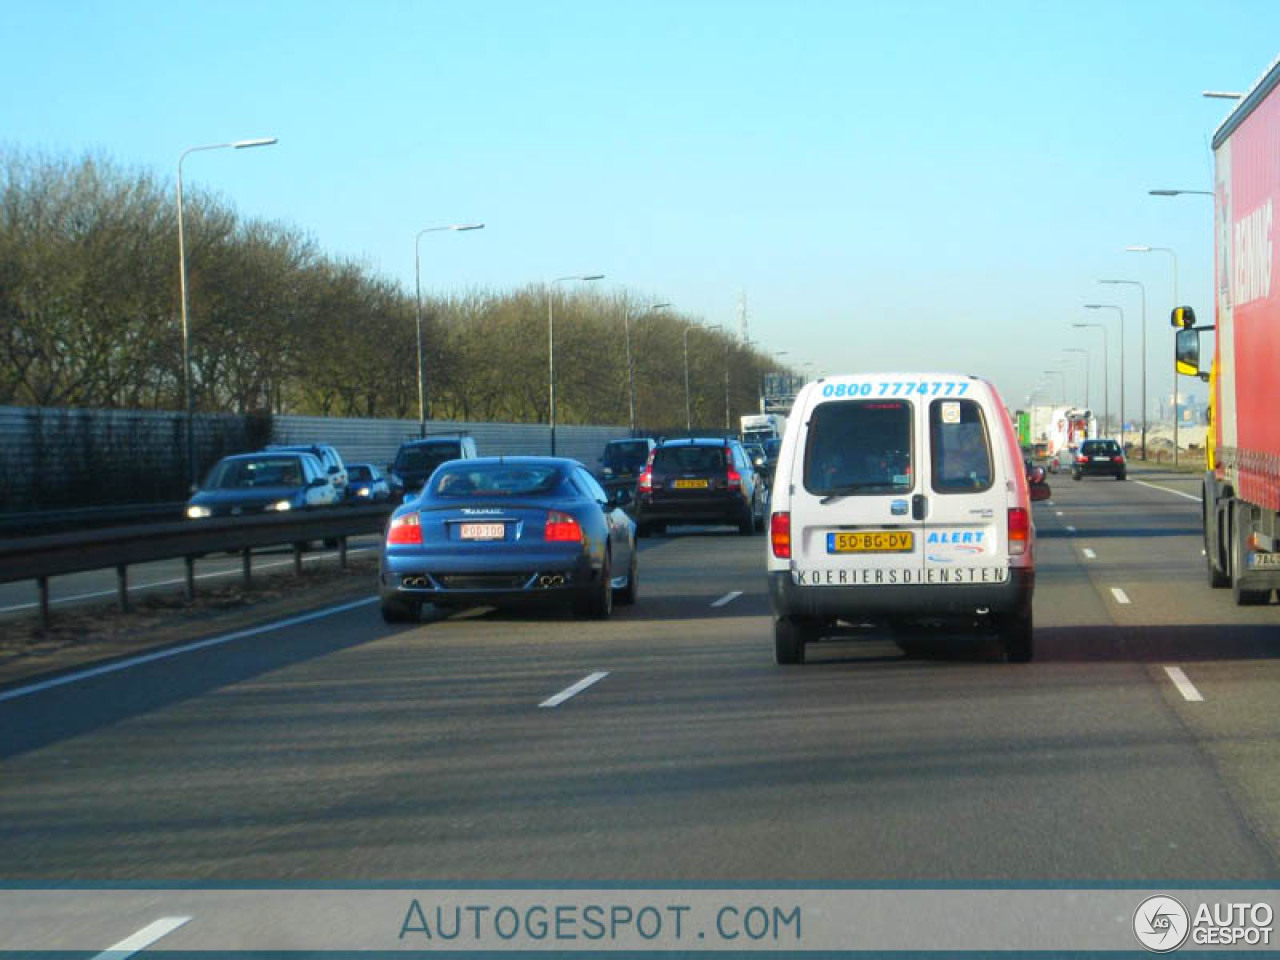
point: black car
(621, 465)
(416, 460)
(700, 480)
(1099, 458)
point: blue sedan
(506, 530)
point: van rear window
(859, 447)
(960, 447)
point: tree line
(90, 317)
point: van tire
(789, 638)
(1018, 636)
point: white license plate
(1101, 459)
(1264, 561)
(483, 531)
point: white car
(900, 497)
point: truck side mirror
(1184, 318)
(1187, 352)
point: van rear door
(854, 484)
(965, 526)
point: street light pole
(631, 370)
(417, 296)
(187, 387)
(551, 347)
(1143, 290)
(1088, 360)
(1063, 394)
(1106, 371)
(688, 410)
(1119, 310)
(1143, 248)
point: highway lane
(345, 749)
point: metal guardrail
(39, 558)
(37, 522)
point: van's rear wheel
(1017, 635)
(789, 638)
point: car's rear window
(258, 472)
(425, 459)
(1097, 448)
(497, 479)
(359, 472)
(689, 459)
(960, 447)
(627, 455)
(859, 447)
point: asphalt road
(343, 749)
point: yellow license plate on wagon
(874, 541)
(691, 484)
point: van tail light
(562, 528)
(405, 530)
(1019, 531)
(780, 535)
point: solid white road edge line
(577, 688)
(229, 572)
(165, 654)
(729, 597)
(137, 942)
(1176, 493)
(1120, 595)
(1057, 513)
(1089, 554)
(1185, 686)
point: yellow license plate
(691, 484)
(878, 541)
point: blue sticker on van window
(899, 508)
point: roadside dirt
(89, 634)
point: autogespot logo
(1161, 924)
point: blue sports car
(505, 530)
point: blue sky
(894, 186)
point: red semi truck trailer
(1242, 484)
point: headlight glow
(280, 505)
(195, 512)
(362, 492)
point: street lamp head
(659, 306)
(1138, 248)
(460, 227)
(260, 142)
(594, 276)
(1164, 193)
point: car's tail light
(1082, 459)
(1019, 531)
(735, 479)
(1118, 459)
(780, 535)
(645, 483)
(405, 529)
(562, 528)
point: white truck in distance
(758, 427)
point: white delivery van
(901, 498)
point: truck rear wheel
(1239, 543)
(1219, 579)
